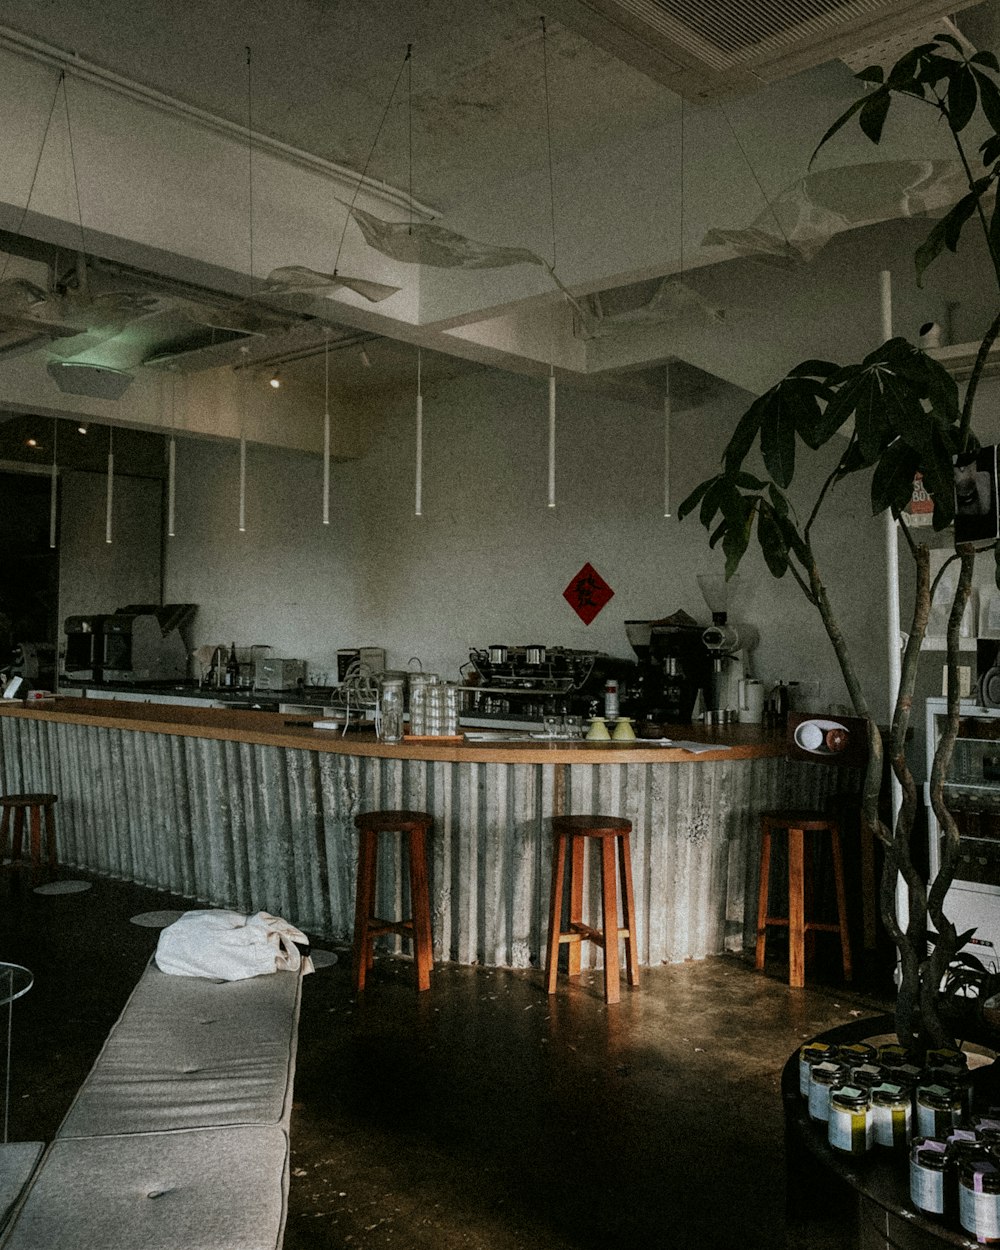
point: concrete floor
(482, 1113)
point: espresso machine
(673, 668)
(727, 645)
(140, 643)
(520, 685)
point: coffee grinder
(728, 645)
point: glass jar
(855, 1054)
(939, 1109)
(892, 1116)
(928, 1178)
(451, 706)
(390, 727)
(979, 1200)
(822, 1079)
(849, 1127)
(809, 1055)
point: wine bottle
(232, 667)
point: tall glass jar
(391, 710)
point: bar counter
(254, 810)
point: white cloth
(229, 946)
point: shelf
(941, 644)
(958, 359)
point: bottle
(232, 667)
(390, 727)
(611, 699)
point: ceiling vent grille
(707, 49)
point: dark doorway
(29, 567)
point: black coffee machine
(674, 667)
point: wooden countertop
(281, 730)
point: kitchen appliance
(533, 681)
(673, 668)
(728, 645)
(138, 643)
(373, 658)
(273, 673)
(35, 664)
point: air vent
(707, 49)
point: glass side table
(14, 981)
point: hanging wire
(552, 224)
(250, 157)
(418, 489)
(371, 153)
(409, 128)
(54, 486)
(326, 428)
(111, 485)
(172, 458)
(19, 229)
(681, 187)
(753, 174)
(72, 164)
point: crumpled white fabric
(229, 946)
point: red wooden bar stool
(610, 831)
(797, 825)
(414, 827)
(35, 806)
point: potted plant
(904, 418)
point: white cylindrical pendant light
(171, 484)
(666, 446)
(111, 486)
(326, 430)
(418, 485)
(243, 485)
(552, 437)
(53, 488)
(885, 302)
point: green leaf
(945, 233)
(691, 502)
(772, 543)
(717, 533)
(737, 538)
(711, 501)
(939, 479)
(745, 433)
(994, 231)
(814, 369)
(996, 569)
(778, 501)
(990, 149)
(902, 75)
(985, 58)
(747, 481)
(946, 38)
(989, 99)
(892, 481)
(873, 115)
(841, 121)
(861, 397)
(962, 98)
(777, 439)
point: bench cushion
(191, 1053)
(205, 1189)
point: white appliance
(972, 790)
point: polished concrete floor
(482, 1113)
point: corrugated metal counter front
(251, 811)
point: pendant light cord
(548, 140)
(34, 173)
(72, 165)
(250, 157)
(753, 174)
(368, 159)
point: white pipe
(326, 467)
(53, 504)
(552, 437)
(110, 499)
(418, 487)
(171, 484)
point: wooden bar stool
(35, 806)
(611, 831)
(797, 825)
(414, 827)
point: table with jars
(917, 1137)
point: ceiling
(329, 80)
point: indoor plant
(904, 416)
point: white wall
(488, 561)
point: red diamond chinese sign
(587, 593)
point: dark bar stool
(611, 831)
(797, 825)
(414, 826)
(36, 806)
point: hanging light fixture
(666, 443)
(243, 484)
(111, 485)
(172, 458)
(552, 216)
(326, 428)
(53, 487)
(275, 380)
(418, 484)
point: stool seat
(569, 833)
(414, 827)
(796, 824)
(39, 810)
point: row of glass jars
(434, 707)
(956, 1179)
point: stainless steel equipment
(530, 682)
(273, 673)
(138, 643)
(673, 667)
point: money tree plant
(891, 416)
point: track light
(31, 442)
(275, 380)
(81, 429)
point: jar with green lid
(892, 1115)
(849, 1128)
(929, 1177)
(809, 1054)
(891, 1054)
(979, 1200)
(857, 1053)
(868, 1075)
(822, 1078)
(938, 1055)
(939, 1108)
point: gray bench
(178, 1138)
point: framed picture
(976, 498)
